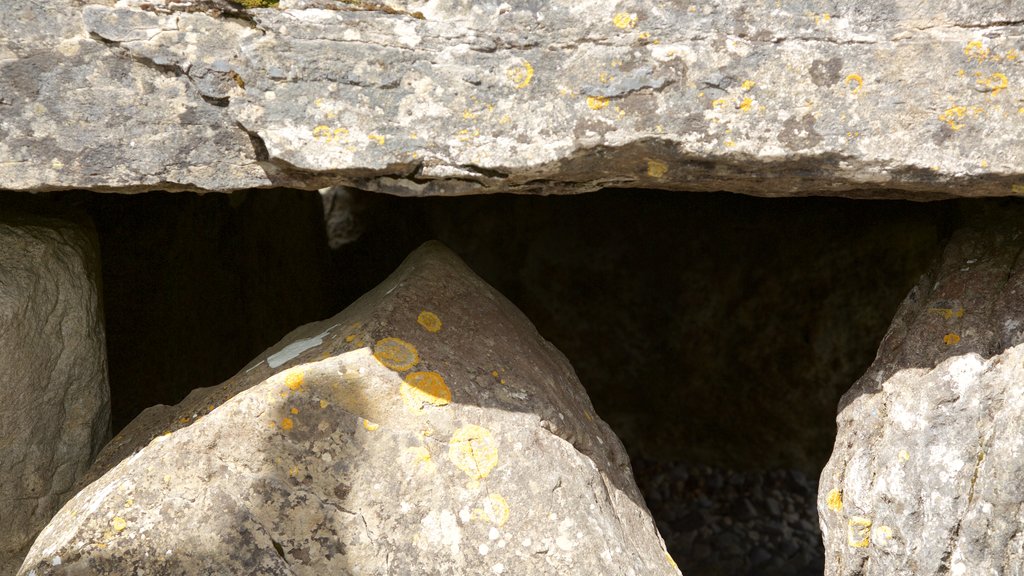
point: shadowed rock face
(927, 474)
(428, 425)
(448, 97)
(53, 370)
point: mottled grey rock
(446, 97)
(927, 475)
(56, 410)
(427, 428)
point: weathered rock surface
(426, 429)
(412, 97)
(927, 475)
(56, 410)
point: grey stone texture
(53, 373)
(789, 97)
(426, 429)
(927, 474)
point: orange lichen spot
(624, 20)
(324, 403)
(520, 75)
(118, 524)
(293, 380)
(834, 500)
(953, 115)
(745, 104)
(597, 102)
(951, 338)
(287, 424)
(396, 354)
(422, 388)
(494, 510)
(379, 139)
(858, 532)
(976, 50)
(854, 81)
(370, 426)
(494, 373)
(429, 321)
(183, 420)
(474, 450)
(294, 410)
(656, 168)
(671, 562)
(210, 408)
(994, 83)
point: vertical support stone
(53, 373)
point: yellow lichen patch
(396, 354)
(293, 380)
(370, 426)
(745, 104)
(118, 523)
(624, 20)
(495, 510)
(718, 103)
(995, 83)
(324, 403)
(474, 450)
(421, 388)
(656, 168)
(748, 84)
(671, 562)
(903, 455)
(976, 50)
(597, 102)
(951, 338)
(287, 424)
(429, 321)
(421, 456)
(834, 500)
(858, 532)
(953, 115)
(948, 313)
(379, 139)
(854, 81)
(520, 75)
(294, 410)
(350, 338)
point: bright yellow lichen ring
(396, 354)
(474, 450)
(521, 74)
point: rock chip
(427, 428)
(56, 411)
(927, 475)
(444, 97)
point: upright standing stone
(53, 373)
(927, 475)
(426, 429)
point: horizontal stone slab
(916, 100)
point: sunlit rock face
(426, 428)
(927, 475)
(447, 97)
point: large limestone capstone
(53, 373)
(927, 475)
(426, 429)
(442, 97)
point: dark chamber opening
(714, 332)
